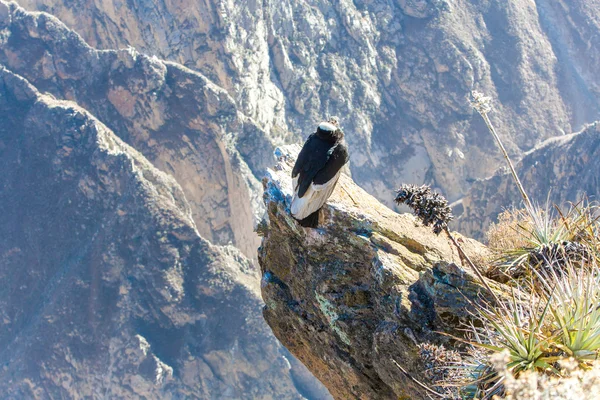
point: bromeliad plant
(549, 239)
(538, 329)
(520, 329)
(574, 298)
(530, 239)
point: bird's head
(330, 130)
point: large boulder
(361, 291)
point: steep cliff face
(108, 290)
(180, 121)
(560, 170)
(398, 72)
(362, 291)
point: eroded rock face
(560, 170)
(362, 290)
(183, 123)
(398, 72)
(108, 290)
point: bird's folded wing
(324, 186)
(335, 162)
(304, 157)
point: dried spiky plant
(483, 105)
(430, 207)
(433, 210)
(444, 368)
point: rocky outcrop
(560, 170)
(108, 290)
(398, 72)
(361, 291)
(184, 124)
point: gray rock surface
(108, 290)
(397, 72)
(180, 121)
(362, 291)
(559, 171)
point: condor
(317, 171)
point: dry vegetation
(504, 235)
(544, 342)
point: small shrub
(504, 235)
(444, 368)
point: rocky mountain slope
(180, 121)
(398, 72)
(362, 291)
(163, 311)
(560, 170)
(108, 289)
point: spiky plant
(444, 368)
(433, 210)
(539, 329)
(521, 330)
(430, 207)
(549, 239)
(582, 221)
(574, 296)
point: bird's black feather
(337, 158)
(314, 158)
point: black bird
(317, 170)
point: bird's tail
(312, 221)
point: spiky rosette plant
(545, 238)
(552, 241)
(574, 296)
(538, 330)
(521, 330)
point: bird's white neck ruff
(326, 126)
